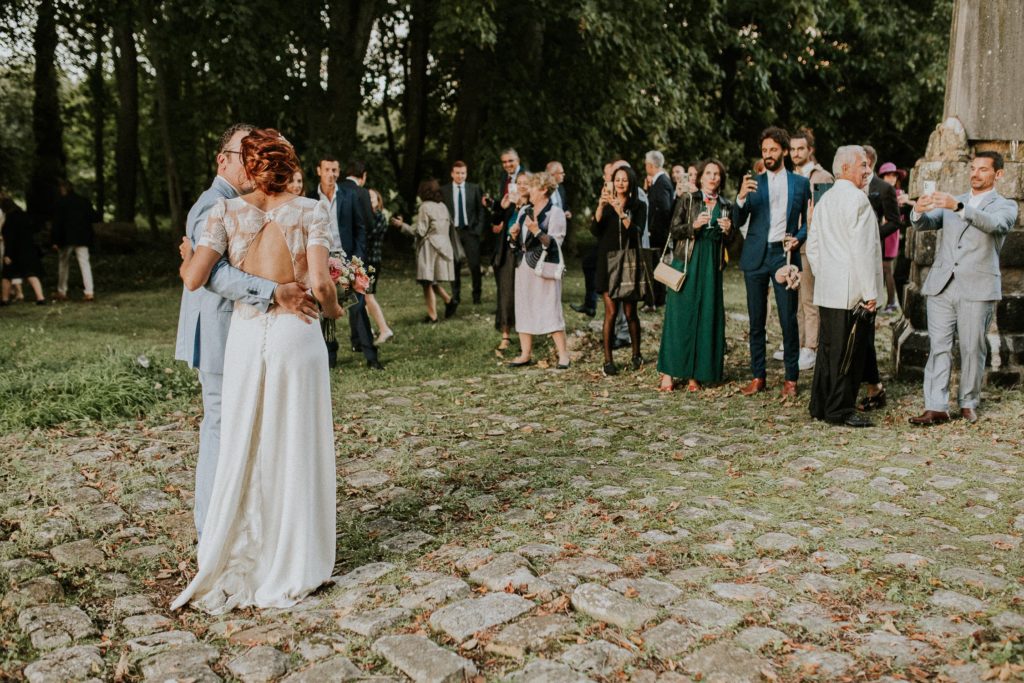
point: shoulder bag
(548, 270)
(623, 272)
(669, 276)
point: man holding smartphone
(776, 204)
(963, 284)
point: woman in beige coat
(435, 255)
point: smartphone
(528, 211)
(609, 187)
(928, 186)
(513, 191)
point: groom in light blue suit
(206, 313)
(963, 284)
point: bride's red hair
(269, 160)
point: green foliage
(579, 80)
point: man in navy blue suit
(776, 204)
(354, 216)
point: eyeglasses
(232, 151)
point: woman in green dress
(693, 336)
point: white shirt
(977, 199)
(807, 169)
(455, 204)
(778, 199)
(556, 199)
(332, 212)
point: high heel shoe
(505, 343)
(693, 386)
(384, 337)
(666, 388)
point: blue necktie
(460, 217)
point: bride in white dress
(269, 536)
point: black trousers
(471, 245)
(834, 395)
(359, 329)
(589, 265)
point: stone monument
(982, 112)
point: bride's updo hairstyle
(269, 160)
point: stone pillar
(982, 112)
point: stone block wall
(947, 162)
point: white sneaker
(807, 358)
(780, 354)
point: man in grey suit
(206, 313)
(963, 284)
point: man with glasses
(205, 315)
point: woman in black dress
(21, 255)
(618, 222)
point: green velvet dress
(693, 335)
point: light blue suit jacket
(968, 247)
(205, 314)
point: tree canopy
(128, 97)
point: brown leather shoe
(789, 389)
(756, 386)
(929, 418)
(969, 415)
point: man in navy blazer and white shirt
(205, 315)
(776, 204)
(963, 284)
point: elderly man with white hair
(845, 252)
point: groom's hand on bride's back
(294, 298)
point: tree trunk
(147, 199)
(126, 151)
(415, 110)
(166, 101)
(470, 106)
(50, 160)
(97, 89)
(351, 26)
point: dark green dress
(693, 335)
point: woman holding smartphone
(693, 336)
(618, 222)
(537, 234)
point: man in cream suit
(963, 284)
(205, 314)
(846, 255)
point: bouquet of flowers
(350, 277)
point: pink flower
(334, 267)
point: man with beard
(776, 204)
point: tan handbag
(669, 276)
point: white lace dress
(269, 536)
